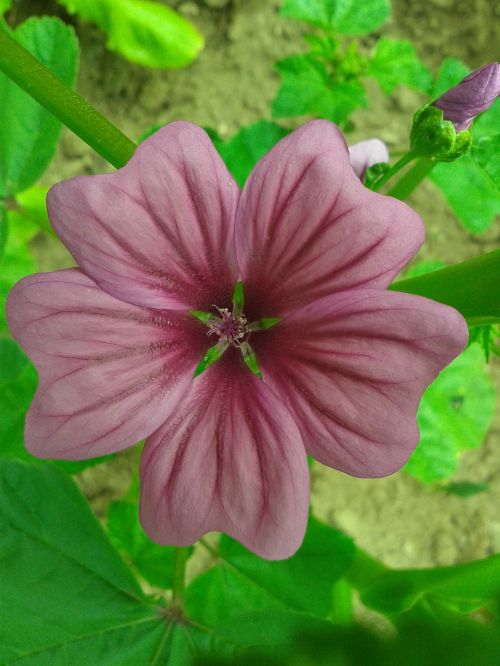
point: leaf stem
(179, 576)
(402, 162)
(64, 103)
(412, 179)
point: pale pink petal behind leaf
(160, 231)
(110, 372)
(229, 459)
(365, 154)
(306, 227)
(351, 368)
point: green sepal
(250, 359)
(432, 136)
(204, 317)
(238, 299)
(212, 355)
(268, 322)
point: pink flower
(473, 95)
(117, 346)
(365, 154)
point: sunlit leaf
(305, 89)
(244, 581)
(29, 133)
(454, 415)
(5, 5)
(348, 17)
(465, 488)
(245, 148)
(395, 62)
(145, 32)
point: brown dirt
(231, 85)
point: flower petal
(365, 154)
(109, 372)
(229, 459)
(351, 368)
(306, 227)
(160, 231)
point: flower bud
(365, 154)
(433, 137)
(473, 95)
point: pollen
(229, 327)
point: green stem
(179, 575)
(412, 179)
(402, 162)
(65, 104)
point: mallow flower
(365, 154)
(473, 95)
(234, 331)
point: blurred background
(402, 521)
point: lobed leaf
(144, 32)
(246, 582)
(395, 62)
(29, 133)
(347, 17)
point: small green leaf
(454, 415)
(3, 229)
(306, 89)
(465, 488)
(148, 559)
(242, 152)
(451, 72)
(347, 17)
(424, 267)
(31, 204)
(463, 587)
(147, 33)
(395, 62)
(247, 583)
(29, 133)
(12, 361)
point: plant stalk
(390, 173)
(64, 103)
(179, 576)
(412, 179)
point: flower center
(231, 329)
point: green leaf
(463, 587)
(242, 152)
(465, 488)
(29, 133)
(5, 5)
(395, 62)
(31, 204)
(68, 596)
(471, 287)
(471, 184)
(151, 561)
(305, 89)
(470, 191)
(451, 72)
(12, 361)
(424, 267)
(17, 260)
(3, 229)
(243, 582)
(144, 32)
(348, 17)
(454, 415)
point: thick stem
(412, 179)
(65, 104)
(402, 162)
(179, 574)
